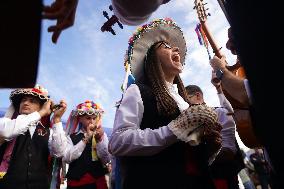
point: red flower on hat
(145, 25)
(168, 19)
(36, 90)
(130, 40)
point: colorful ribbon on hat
(128, 78)
(94, 142)
(94, 149)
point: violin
(241, 113)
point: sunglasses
(167, 46)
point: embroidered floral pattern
(146, 28)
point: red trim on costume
(221, 183)
(191, 165)
(89, 179)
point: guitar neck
(211, 40)
(215, 47)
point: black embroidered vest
(163, 170)
(29, 161)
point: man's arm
(231, 83)
(235, 86)
(222, 99)
(57, 139)
(11, 128)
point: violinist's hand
(45, 109)
(218, 64)
(58, 113)
(64, 12)
(216, 82)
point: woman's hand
(213, 139)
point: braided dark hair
(155, 78)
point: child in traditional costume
(87, 151)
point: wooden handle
(211, 40)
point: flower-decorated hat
(38, 91)
(147, 35)
(86, 108)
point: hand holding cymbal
(58, 110)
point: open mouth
(25, 108)
(176, 58)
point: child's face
(87, 120)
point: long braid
(181, 89)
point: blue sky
(88, 64)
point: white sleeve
(248, 91)
(73, 152)
(127, 138)
(102, 150)
(240, 183)
(225, 103)
(57, 140)
(228, 129)
(11, 128)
